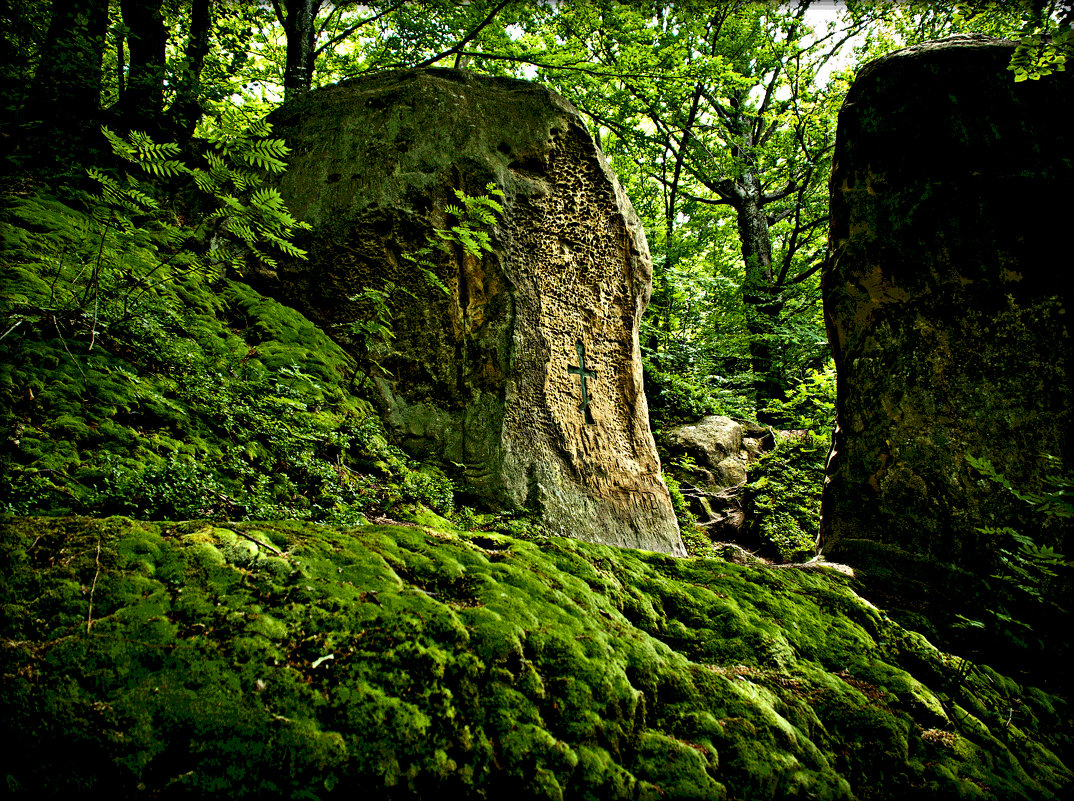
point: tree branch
(350, 29)
(811, 271)
(457, 48)
(789, 189)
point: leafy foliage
(692, 535)
(810, 404)
(1045, 35)
(1056, 501)
(110, 251)
(371, 330)
(674, 398)
(1032, 582)
(245, 216)
(471, 233)
(782, 498)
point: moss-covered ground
(303, 660)
(320, 656)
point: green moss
(289, 659)
(194, 398)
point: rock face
(716, 444)
(719, 451)
(946, 296)
(527, 372)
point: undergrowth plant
(782, 499)
(810, 405)
(371, 331)
(137, 376)
(154, 219)
(1031, 581)
(238, 218)
(471, 232)
(783, 496)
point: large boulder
(718, 449)
(710, 459)
(527, 371)
(946, 297)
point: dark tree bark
(761, 288)
(64, 100)
(22, 31)
(187, 107)
(299, 20)
(760, 293)
(142, 105)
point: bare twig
(254, 540)
(17, 323)
(93, 587)
(64, 343)
(457, 49)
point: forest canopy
(719, 119)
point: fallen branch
(93, 586)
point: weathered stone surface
(716, 444)
(712, 478)
(719, 511)
(487, 376)
(947, 296)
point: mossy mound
(302, 660)
(160, 391)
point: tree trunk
(64, 101)
(142, 105)
(18, 32)
(759, 292)
(760, 295)
(299, 24)
(187, 107)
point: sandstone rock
(715, 443)
(719, 512)
(946, 296)
(713, 475)
(528, 371)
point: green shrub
(810, 404)
(697, 544)
(432, 490)
(197, 397)
(673, 398)
(782, 498)
(1027, 600)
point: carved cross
(583, 374)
